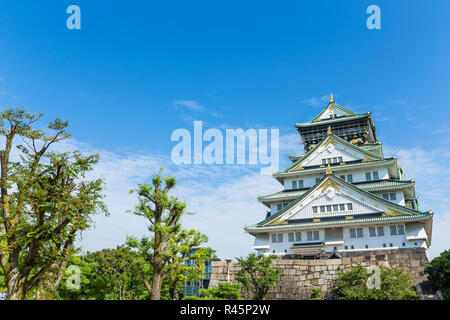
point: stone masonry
(298, 276)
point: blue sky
(252, 64)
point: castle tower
(341, 194)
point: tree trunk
(15, 285)
(156, 285)
(173, 291)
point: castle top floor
(356, 128)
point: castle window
(280, 237)
(392, 196)
(386, 196)
(294, 184)
(314, 209)
(342, 177)
(328, 208)
(397, 230)
(368, 176)
(335, 207)
(279, 206)
(352, 247)
(322, 208)
(312, 235)
(349, 207)
(324, 161)
(349, 178)
(393, 230)
(375, 175)
(346, 247)
(390, 244)
(318, 179)
(300, 183)
(298, 236)
(291, 237)
(403, 244)
(376, 231)
(274, 238)
(342, 207)
(384, 245)
(356, 233)
(367, 246)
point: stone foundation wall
(299, 276)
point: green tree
(223, 291)
(257, 275)
(438, 270)
(45, 200)
(164, 213)
(120, 267)
(108, 274)
(316, 294)
(186, 260)
(395, 284)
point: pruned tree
(163, 212)
(186, 260)
(257, 275)
(45, 200)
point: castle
(341, 195)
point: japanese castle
(341, 194)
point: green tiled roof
(334, 120)
(371, 147)
(403, 218)
(351, 186)
(334, 104)
(338, 139)
(337, 168)
(371, 186)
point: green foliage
(438, 270)
(168, 245)
(223, 291)
(108, 274)
(316, 294)
(395, 284)
(45, 200)
(257, 275)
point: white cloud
(316, 101)
(189, 104)
(429, 168)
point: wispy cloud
(189, 104)
(316, 101)
(429, 168)
(8, 95)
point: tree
(223, 291)
(108, 274)
(438, 270)
(164, 213)
(257, 275)
(186, 260)
(395, 284)
(45, 200)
